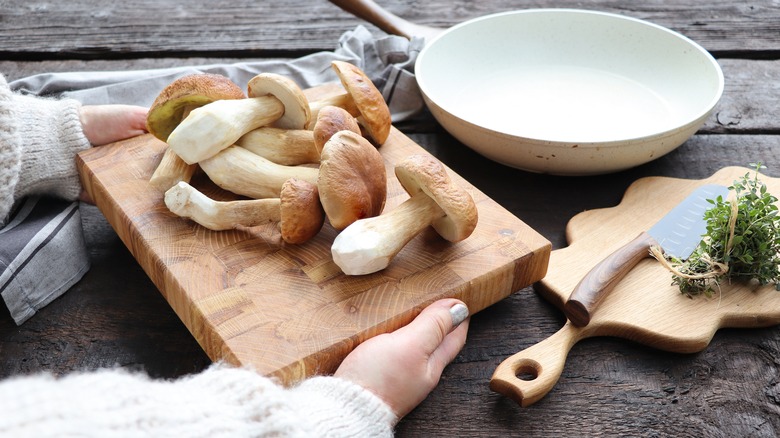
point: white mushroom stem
(244, 173)
(170, 171)
(185, 201)
(368, 245)
(282, 146)
(217, 125)
(292, 147)
(172, 168)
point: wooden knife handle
(597, 283)
(529, 375)
(376, 15)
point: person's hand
(103, 124)
(404, 366)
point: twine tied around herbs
(716, 269)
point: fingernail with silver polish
(459, 314)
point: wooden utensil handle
(529, 375)
(600, 280)
(376, 15)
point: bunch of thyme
(742, 242)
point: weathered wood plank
(751, 98)
(20, 69)
(149, 28)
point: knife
(678, 233)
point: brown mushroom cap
(302, 215)
(330, 120)
(186, 92)
(352, 179)
(374, 113)
(425, 173)
(297, 112)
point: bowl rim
(703, 112)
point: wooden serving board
(644, 306)
(250, 299)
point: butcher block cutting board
(250, 299)
(644, 306)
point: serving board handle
(529, 375)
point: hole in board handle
(527, 370)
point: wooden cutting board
(248, 298)
(644, 306)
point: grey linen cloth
(42, 254)
(42, 249)
(388, 61)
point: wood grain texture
(136, 27)
(644, 306)
(287, 310)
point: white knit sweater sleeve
(39, 139)
(221, 401)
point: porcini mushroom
(171, 106)
(244, 173)
(297, 210)
(273, 99)
(368, 245)
(184, 94)
(362, 99)
(352, 179)
(299, 146)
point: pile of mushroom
(266, 146)
(297, 163)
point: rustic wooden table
(115, 316)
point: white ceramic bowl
(568, 92)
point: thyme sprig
(742, 241)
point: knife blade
(678, 234)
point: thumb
(433, 325)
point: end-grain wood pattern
(288, 310)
